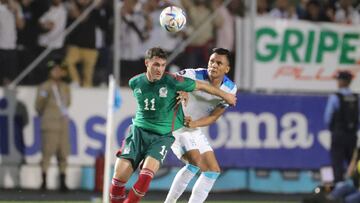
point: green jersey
(156, 102)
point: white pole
(116, 46)
(253, 14)
(239, 47)
(109, 136)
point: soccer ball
(172, 19)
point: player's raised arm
(229, 98)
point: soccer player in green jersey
(150, 135)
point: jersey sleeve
(132, 83)
(184, 84)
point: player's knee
(195, 160)
(123, 169)
(117, 174)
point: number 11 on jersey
(152, 101)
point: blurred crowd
(28, 27)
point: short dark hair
(222, 51)
(344, 75)
(155, 51)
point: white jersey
(200, 103)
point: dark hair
(344, 75)
(222, 51)
(155, 51)
(56, 62)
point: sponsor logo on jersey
(163, 92)
(182, 72)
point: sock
(180, 182)
(117, 191)
(141, 186)
(203, 186)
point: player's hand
(183, 97)
(188, 122)
(230, 99)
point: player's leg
(72, 57)
(127, 161)
(150, 167)
(122, 173)
(210, 162)
(184, 175)
(90, 57)
(185, 148)
(49, 147)
(208, 177)
(156, 147)
(62, 155)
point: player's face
(155, 68)
(218, 65)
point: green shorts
(141, 143)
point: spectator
(104, 41)
(81, 43)
(329, 11)
(21, 117)
(313, 12)
(347, 191)
(11, 18)
(225, 31)
(52, 25)
(237, 7)
(16, 110)
(346, 13)
(283, 10)
(134, 31)
(157, 36)
(262, 7)
(301, 8)
(342, 118)
(52, 102)
(27, 37)
(198, 50)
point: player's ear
(146, 62)
(227, 69)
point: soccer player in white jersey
(191, 144)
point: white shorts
(187, 139)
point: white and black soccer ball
(173, 19)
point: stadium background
(273, 141)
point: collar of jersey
(155, 82)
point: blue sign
(271, 131)
(262, 131)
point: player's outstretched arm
(204, 121)
(229, 98)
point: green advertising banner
(304, 56)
